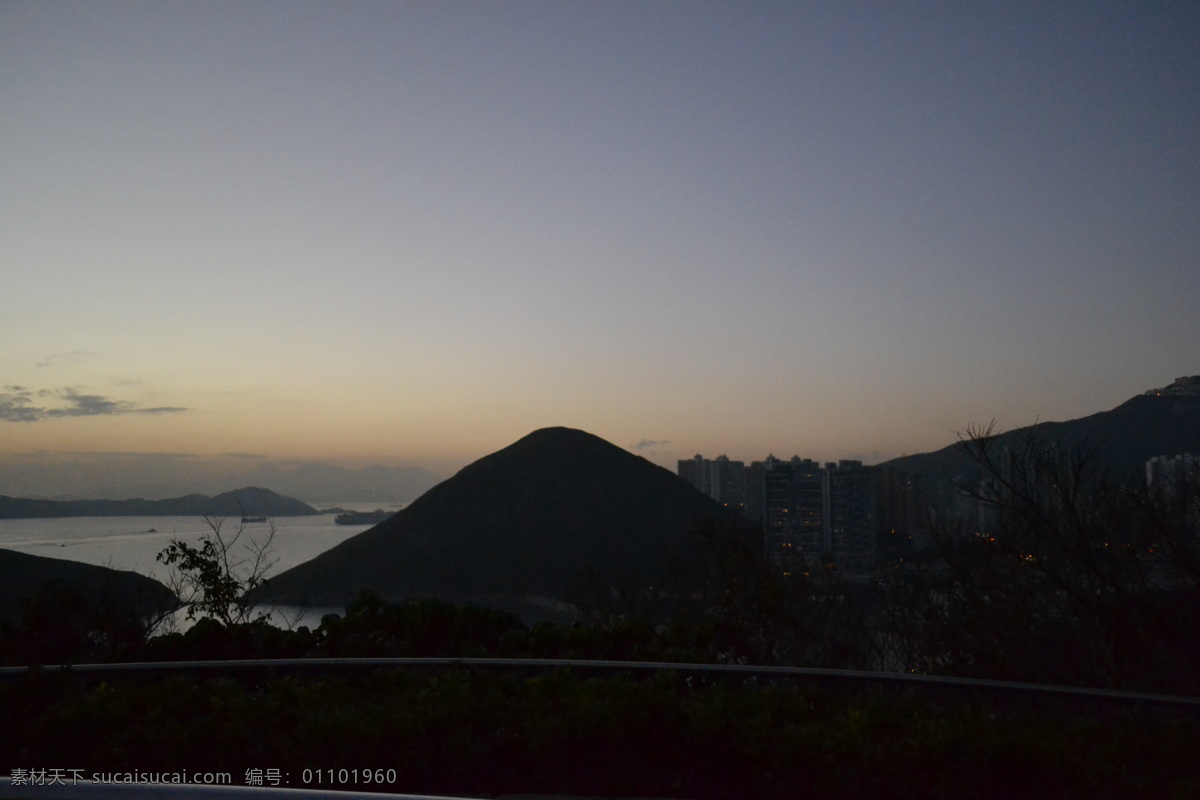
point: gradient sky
(410, 233)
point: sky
(409, 233)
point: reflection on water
(281, 616)
(294, 617)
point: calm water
(131, 543)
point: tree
(1063, 572)
(213, 579)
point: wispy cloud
(16, 405)
(649, 444)
(87, 405)
(74, 357)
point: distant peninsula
(247, 502)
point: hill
(1127, 436)
(521, 522)
(23, 575)
(250, 501)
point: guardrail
(746, 671)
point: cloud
(88, 405)
(74, 357)
(17, 405)
(647, 444)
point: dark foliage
(213, 579)
(479, 732)
(1062, 573)
(53, 610)
(61, 624)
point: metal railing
(281, 665)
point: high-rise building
(899, 506)
(810, 514)
(779, 525)
(851, 514)
(694, 471)
(730, 481)
(807, 498)
(721, 479)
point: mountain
(1153, 424)
(250, 501)
(157, 476)
(521, 522)
(22, 575)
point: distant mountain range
(1157, 423)
(520, 523)
(251, 502)
(158, 476)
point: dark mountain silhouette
(1127, 436)
(522, 522)
(22, 576)
(250, 501)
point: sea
(132, 543)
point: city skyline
(409, 234)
